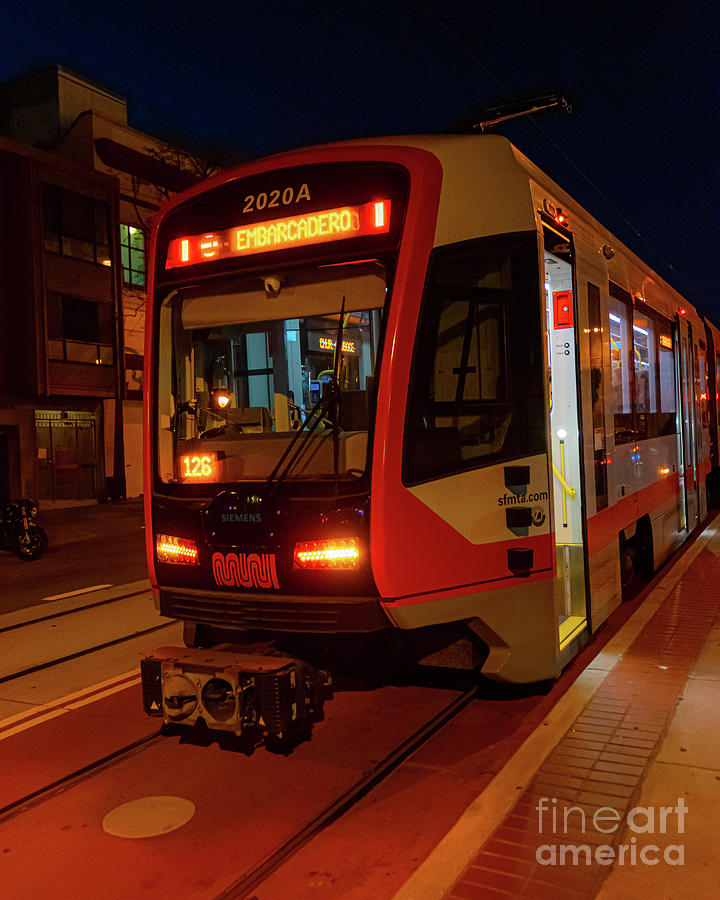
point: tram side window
(645, 362)
(598, 394)
(476, 391)
(654, 374)
(619, 312)
(702, 385)
(665, 419)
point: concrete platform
(617, 792)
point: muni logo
(245, 570)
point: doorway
(66, 461)
(565, 427)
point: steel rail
(67, 781)
(69, 612)
(273, 860)
(79, 653)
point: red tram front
(364, 416)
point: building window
(75, 225)
(80, 331)
(132, 253)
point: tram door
(689, 470)
(570, 543)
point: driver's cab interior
(246, 363)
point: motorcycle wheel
(34, 545)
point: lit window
(132, 254)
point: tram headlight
(335, 553)
(218, 699)
(179, 697)
(171, 549)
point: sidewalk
(617, 793)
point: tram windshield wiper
(299, 441)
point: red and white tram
(407, 386)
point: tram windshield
(242, 364)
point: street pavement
(87, 546)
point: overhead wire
(474, 56)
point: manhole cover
(148, 817)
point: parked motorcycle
(18, 531)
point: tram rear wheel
(627, 566)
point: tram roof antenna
(493, 115)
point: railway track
(47, 792)
(133, 762)
(16, 626)
(30, 646)
(85, 652)
(254, 876)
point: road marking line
(25, 725)
(53, 714)
(107, 693)
(87, 590)
(64, 701)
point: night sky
(639, 152)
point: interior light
(335, 553)
(562, 433)
(639, 329)
(221, 398)
(107, 262)
(171, 549)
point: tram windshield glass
(243, 362)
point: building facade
(78, 188)
(60, 330)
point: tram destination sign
(305, 229)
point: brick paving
(602, 759)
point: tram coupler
(233, 690)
